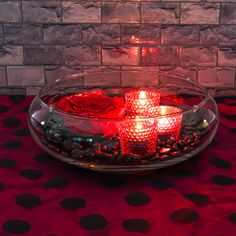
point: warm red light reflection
(134, 51)
(135, 39)
(147, 51)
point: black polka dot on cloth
(17, 98)
(93, 222)
(1, 186)
(31, 173)
(213, 143)
(12, 122)
(28, 200)
(223, 180)
(4, 108)
(137, 199)
(197, 198)
(232, 218)
(113, 182)
(231, 117)
(218, 162)
(220, 100)
(25, 109)
(56, 183)
(162, 184)
(16, 226)
(7, 162)
(12, 144)
(136, 225)
(72, 203)
(22, 132)
(184, 215)
(233, 130)
(182, 172)
(43, 157)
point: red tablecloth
(42, 196)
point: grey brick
(161, 56)
(184, 72)
(23, 34)
(32, 90)
(101, 33)
(43, 55)
(228, 13)
(103, 79)
(82, 55)
(120, 55)
(227, 56)
(100, 68)
(12, 91)
(198, 56)
(186, 0)
(120, 12)
(225, 92)
(11, 55)
(185, 35)
(62, 34)
(41, 11)
(200, 13)
(10, 11)
(59, 72)
(25, 76)
(2, 76)
(141, 34)
(157, 12)
(81, 12)
(221, 1)
(139, 76)
(1, 35)
(217, 77)
(218, 35)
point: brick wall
(45, 40)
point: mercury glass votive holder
(138, 136)
(169, 120)
(138, 101)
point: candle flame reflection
(135, 39)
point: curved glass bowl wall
(102, 143)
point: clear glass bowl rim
(75, 76)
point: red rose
(94, 104)
(91, 104)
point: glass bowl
(146, 121)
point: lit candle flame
(142, 95)
(163, 110)
(138, 126)
(142, 98)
